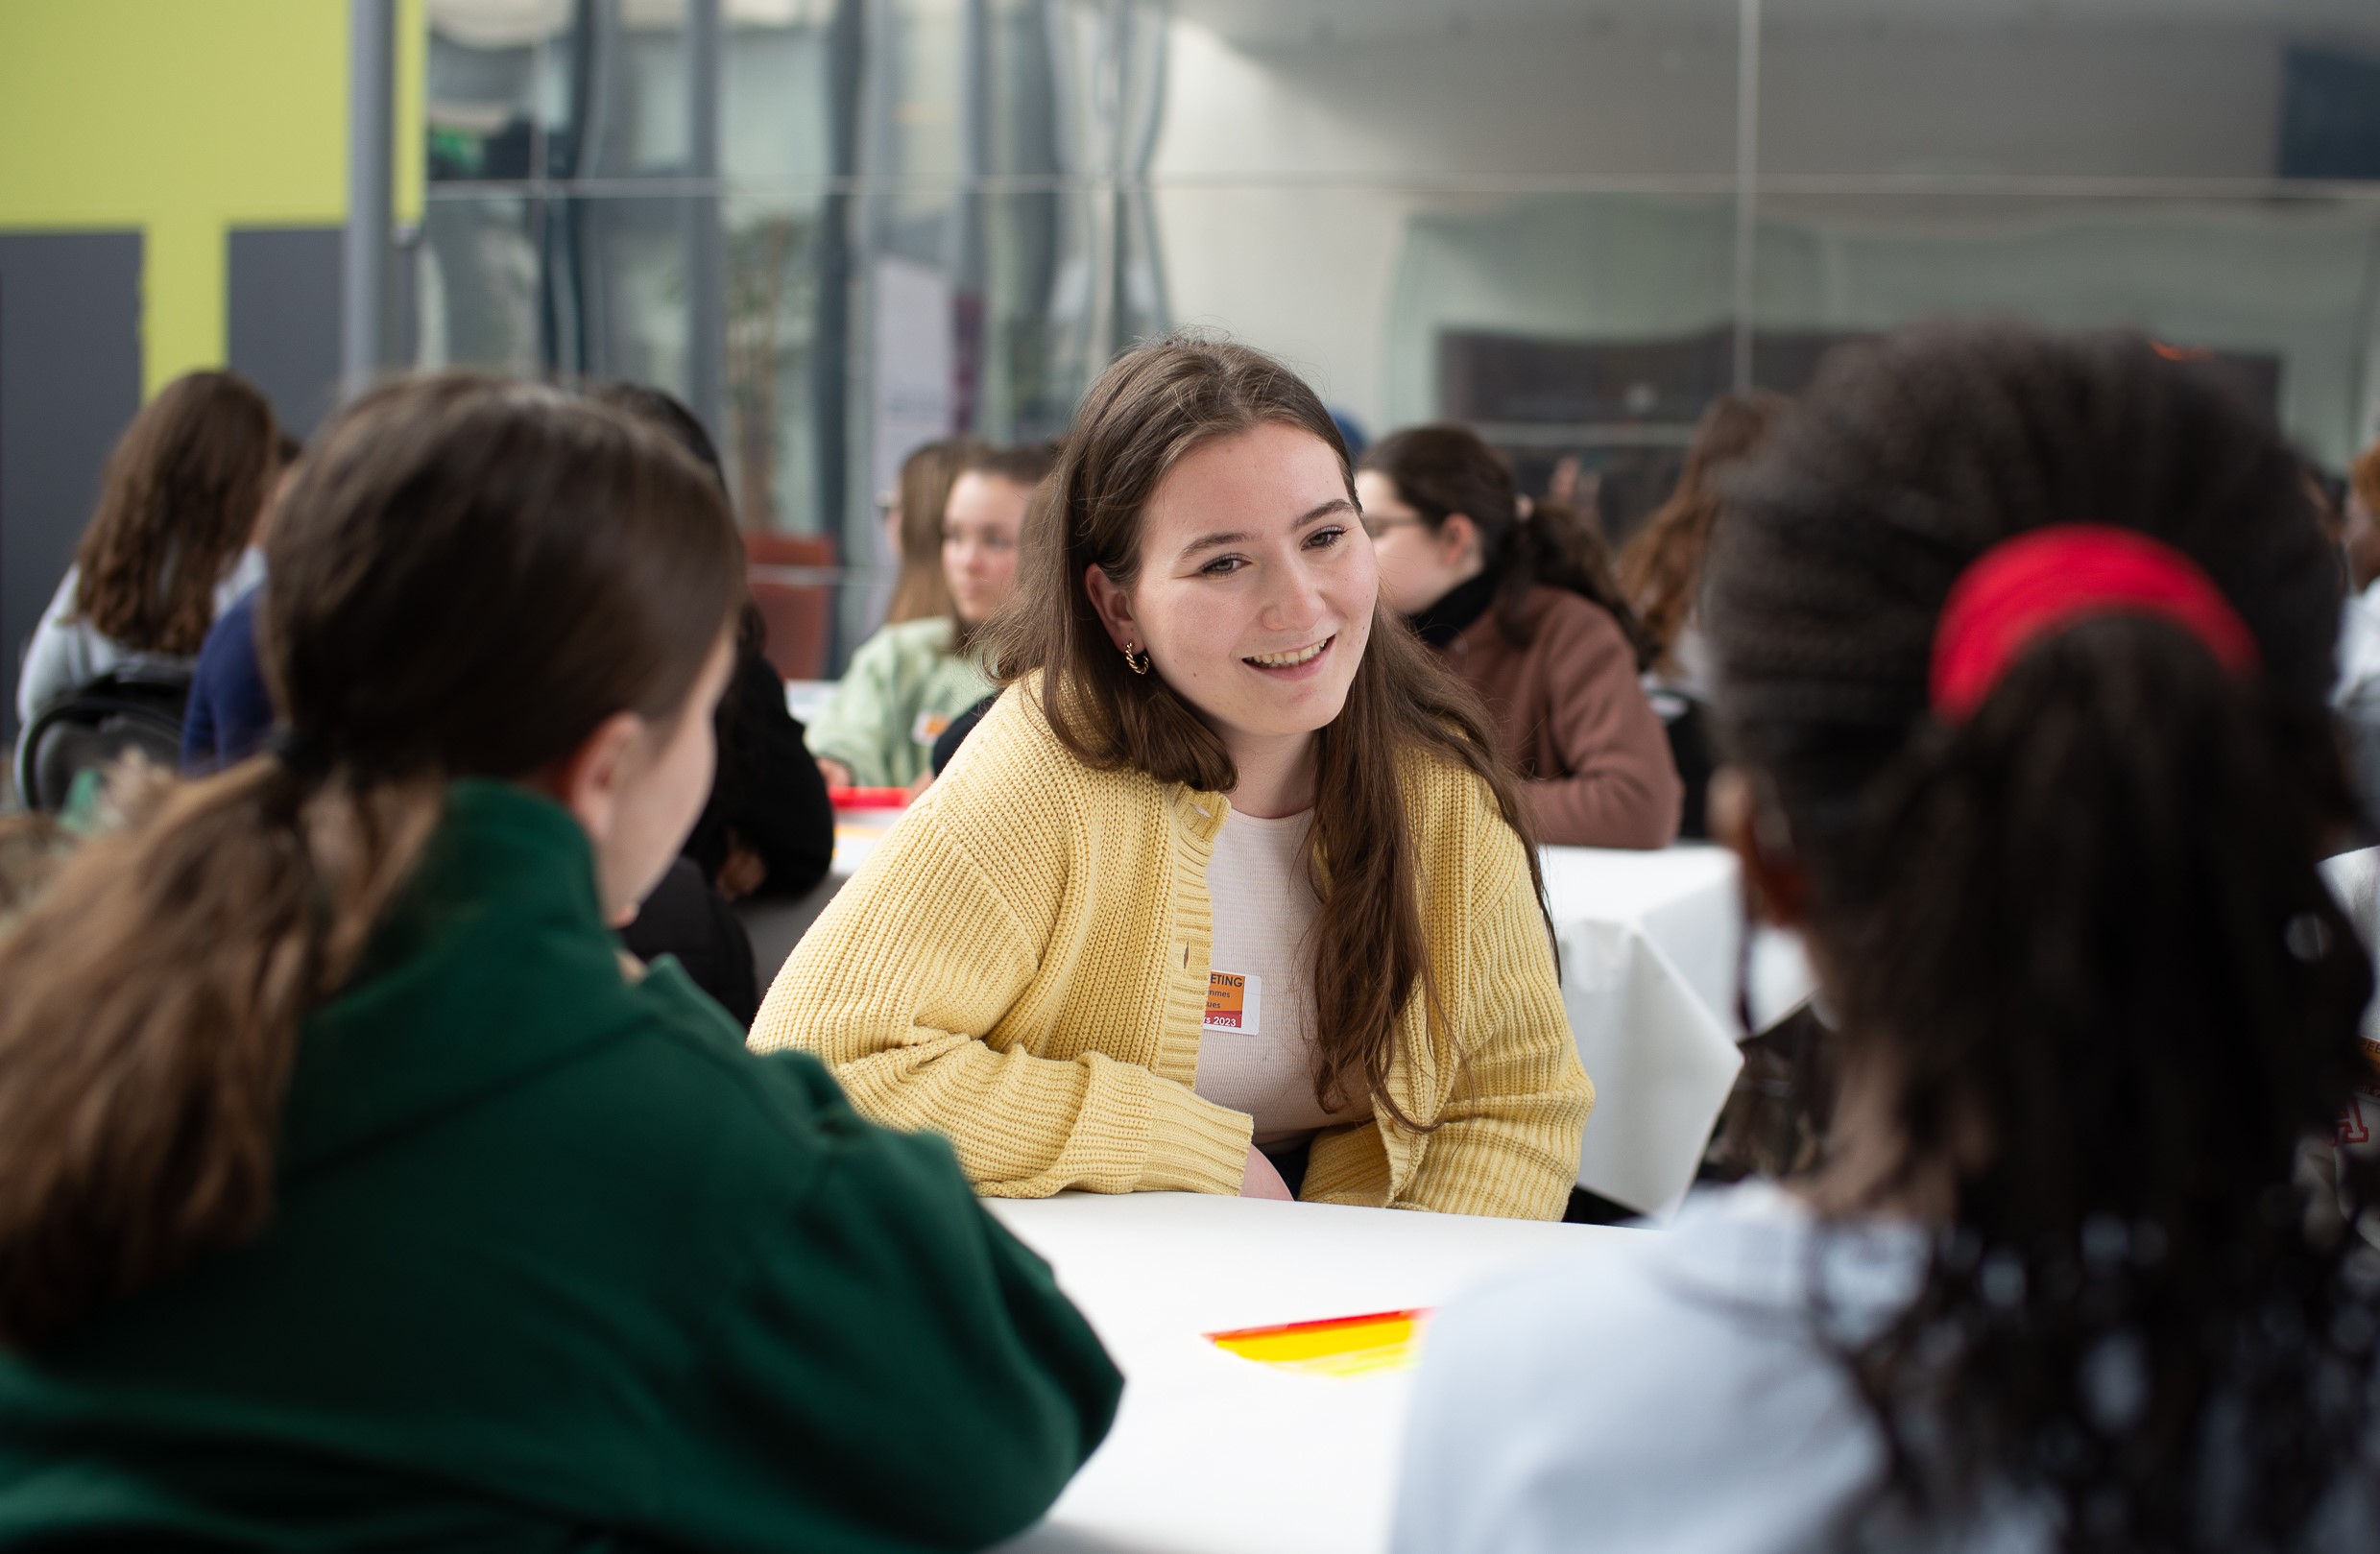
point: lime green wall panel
(185, 118)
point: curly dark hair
(2081, 933)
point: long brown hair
(182, 495)
(924, 490)
(1143, 414)
(1444, 469)
(465, 579)
(1661, 568)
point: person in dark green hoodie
(356, 1192)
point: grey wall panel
(284, 288)
(69, 381)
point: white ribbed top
(1256, 1052)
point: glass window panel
(1586, 331)
(1290, 89)
(919, 134)
(479, 300)
(620, 269)
(612, 91)
(1583, 334)
(2282, 289)
(775, 316)
(775, 91)
(649, 75)
(1046, 327)
(2075, 88)
(481, 87)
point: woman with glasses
(1518, 601)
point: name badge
(928, 727)
(1234, 1002)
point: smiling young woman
(1230, 892)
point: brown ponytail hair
(1444, 469)
(181, 498)
(467, 578)
(1143, 414)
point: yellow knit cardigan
(1021, 966)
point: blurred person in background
(1230, 892)
(909, 680)
(171, 545)
(2022, 647)
(356, 1192)
(1661, 577)
(767, 828)
(2357, 696)
(231, 712)
(914, 524)
(1521, 604)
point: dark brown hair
(1661, 568)
(184, 489)
(1143, 416)
(467, 578)
(924, 490)
(2080, 934)
(1021, 464)
(1445, 469)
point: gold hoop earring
(1135, 659)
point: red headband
(2039, 582)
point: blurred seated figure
(169, 547)
(2023, 645)
(947, 744)
(2357, 695)
(908, 680)
(767, 828)
(1520, 604)
(1660, 570)
(913, 523)
(360, 1194)
(231, 711)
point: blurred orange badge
(928, 727)
(1234, 1002)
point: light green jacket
(903, 689)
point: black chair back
(126, 709)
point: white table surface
(1651, 946)
(1217, 1454)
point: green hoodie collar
(495, 963)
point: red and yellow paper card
(1334, 1345)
